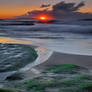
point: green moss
(72, 90)
(86, 86)
(83, 87)
(6, 90)
(36, 85)
(77, 80)
(64, 68)
(84, 77)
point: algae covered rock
(15, 56)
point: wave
(51, 28)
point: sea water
(72, 37)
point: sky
(10, 8)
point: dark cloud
(81, 4)
(69, 10)
(45, 5)
(70, 7)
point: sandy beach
(62, 58)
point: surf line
(43, 55)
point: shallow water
(80, 47)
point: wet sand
(61, 58)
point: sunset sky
(10, 8)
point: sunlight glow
(43, 18)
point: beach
(62, 58)
(57, 58)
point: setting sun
(43, 18)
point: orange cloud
(86, 10)
(15, 11)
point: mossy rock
(79, 83)
(16, 76)
(64, 69)
(86, 86)
(6, 90)
(15, 56)
(83, 87)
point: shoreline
(48, 57)
(57, 58)
(43, 55)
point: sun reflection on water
(13, 41)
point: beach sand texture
(61, 58)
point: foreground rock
(60, 78)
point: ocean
(73, 37)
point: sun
(43, 18)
